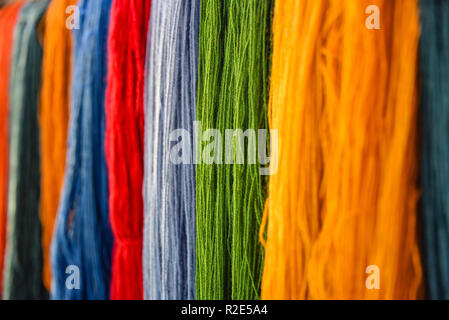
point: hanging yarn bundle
(233, 92)
(8, 19)
(343, 201)
(124, 142)
(82, 242)
(53, 119)
(134, 163)
(434, 156)
(23, 261)
(169, 184)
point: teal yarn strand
(24, 260)
(434, 119)
(232, 94)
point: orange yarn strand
(344, 99)
(53, 119)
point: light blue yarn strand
(169, 188)
(82, 235)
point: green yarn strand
(232, 94)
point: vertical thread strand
(82, 237)
(23, 264)
(343, 98)
(124, 142)
(232, 94)
(53, 119)
(8, 18)
(169, 185)
(434, 156)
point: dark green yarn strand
(232, 94)
(434, 144)
(24, 260)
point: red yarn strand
(124, 142)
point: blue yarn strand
(83, 235)
(169, 188)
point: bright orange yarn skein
(344, 99)
(53, 119)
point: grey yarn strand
(23, 259)
(169, 188)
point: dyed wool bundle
(169, 183)
(233, 92)
(124, 142)
(23, 261)
(82, 242)
(53, 119)
(434, 116)
(344, 198)
(8, 19)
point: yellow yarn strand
(344, 99)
